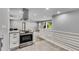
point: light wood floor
(41, 45)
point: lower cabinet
(14, 40)
(35, 36)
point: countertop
(14, 31)
(21, 33)
(26, 33)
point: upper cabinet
(18, 13)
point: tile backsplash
(18, 24)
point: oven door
(26, 38)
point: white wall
(4, 27)
(67, 22)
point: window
(49, 25)
(46, 25)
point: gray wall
(67, 22)
(4, 27)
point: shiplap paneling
(70, 40)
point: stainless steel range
(26, 39)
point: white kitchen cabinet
(16, 13)
(14, 40)
(35, 36)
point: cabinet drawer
(14, 35)
(14, 40)
(14, 44)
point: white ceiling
(45, 14)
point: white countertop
(14, 31)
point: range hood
(25, 13)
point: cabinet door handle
(14, 43)
(14, 37)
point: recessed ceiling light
(47, 8)
(58, 12)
